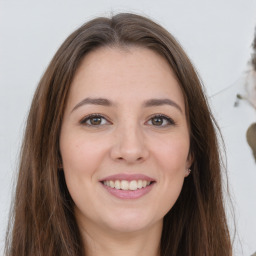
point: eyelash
(90, 117)
(164, 117)
(160, 116)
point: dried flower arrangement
(250, 97)
(251, 131)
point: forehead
(135, 72)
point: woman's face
(124, 140)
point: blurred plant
(253, 59)
(250, 84)
(250, 96)
(251, 132)
(251, 138)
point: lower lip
(129, 194)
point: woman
(120, 154)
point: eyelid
(169, 120)
(87, 117)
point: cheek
(171, 157)
(80, 156)
(172, 154)
(80, 163)
(81, 160)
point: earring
(189, 171)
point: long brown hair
(43, 222)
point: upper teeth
(126, 185)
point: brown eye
(158, 121)
(94, 120)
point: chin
(130, 222)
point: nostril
(135, 159)
(140, 159)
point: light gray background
(217, 35)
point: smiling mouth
(127, 185)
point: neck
(100, 242)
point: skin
(126, 140)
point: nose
(129, 146)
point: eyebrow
(93, 101)
(160, 102)
(108, 103)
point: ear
(189, 162)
